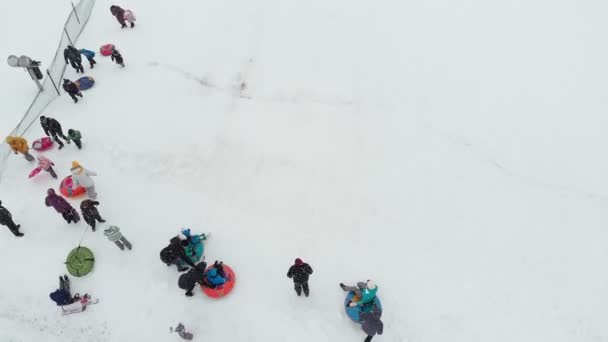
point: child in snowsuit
(130, 17)
(72, 55)
(52, 128)
(119, 13)
(174, 254)
(46, 164)
(19, 145)
(366, 292)
(114, 235)
(61, 206)
(90, 213)
(117, 57)
(195, 275)
(6, 219)
(63, 296)
(371, 324)
(74, 135)
(72, 89)
(214, 279)
(82, 177)
(90, 56)
(300, 272)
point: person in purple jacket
(61, 206)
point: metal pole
(33, 76)
(74, 9)
(53, 81)
(66, 33)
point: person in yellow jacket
(19, 145)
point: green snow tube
(80, 261)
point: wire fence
(74, 25)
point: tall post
(68, 35)
(53, 81)
(33, 76)
(75, 14)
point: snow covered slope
(449, 150)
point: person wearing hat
(300, 271)
(195, 275)
(61, 206)
(72, 89)
(6, 219)
(366, 292)
(371, 324)
(175, 254)
(90, 212)
(19, 145)
(82, 177)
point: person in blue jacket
(214, 279)
(89, 55)
(63, 296)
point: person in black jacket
(174, 254)
(195, 275)
(89, 212)
(52, 128)
(371, 324)
(117, 57)
(72, 55)
(6, 219)
(300, 272)
(72, 89)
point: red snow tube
(225, 289)
(106, 50)
(42, 144)
(67, 189)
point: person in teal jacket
(366, 292)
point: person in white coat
(82, 177)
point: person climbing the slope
(82, 177)
(72, 89)
(72, 55)
(19, 145)
(90, 213)
(75, 136)
(300, 271)
(61, 206)
(194, 276)
(117, 57)
(365, 292)
(45, 164)
(119, 13)
(52, 128)
(6, 219)
(174, 254)
(90, 55)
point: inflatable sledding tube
(106, 50)
(34, 172)
(80, 261)
(67, 190)
(223, 290)
(85, 82)
(42, 144)
(354, 311)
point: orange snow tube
(222, 290)
(67, 188)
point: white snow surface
(453, 151)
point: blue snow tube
(85, 82)
(353, 312)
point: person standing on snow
(371, 324)
(117, 57)
(89, 55)
(88, 208)
(52, 128)
(195, 275)
(119, 13)
(19, 145)
(74, 135)
(366, 292)
(6, 219)
(114, 235)
(72, 89)
(300, 271)
(61, 206)
(82, 177)
(46, 164)
(72, 55)
(175, 254)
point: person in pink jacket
(46, 164)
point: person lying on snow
(175, 254)
(63, 296)
(194, 276)
(216, 276)
(365, 292)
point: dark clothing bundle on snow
(371, 324)
(196, 275)
(63, 295)
(174, 253)
(90, 213)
